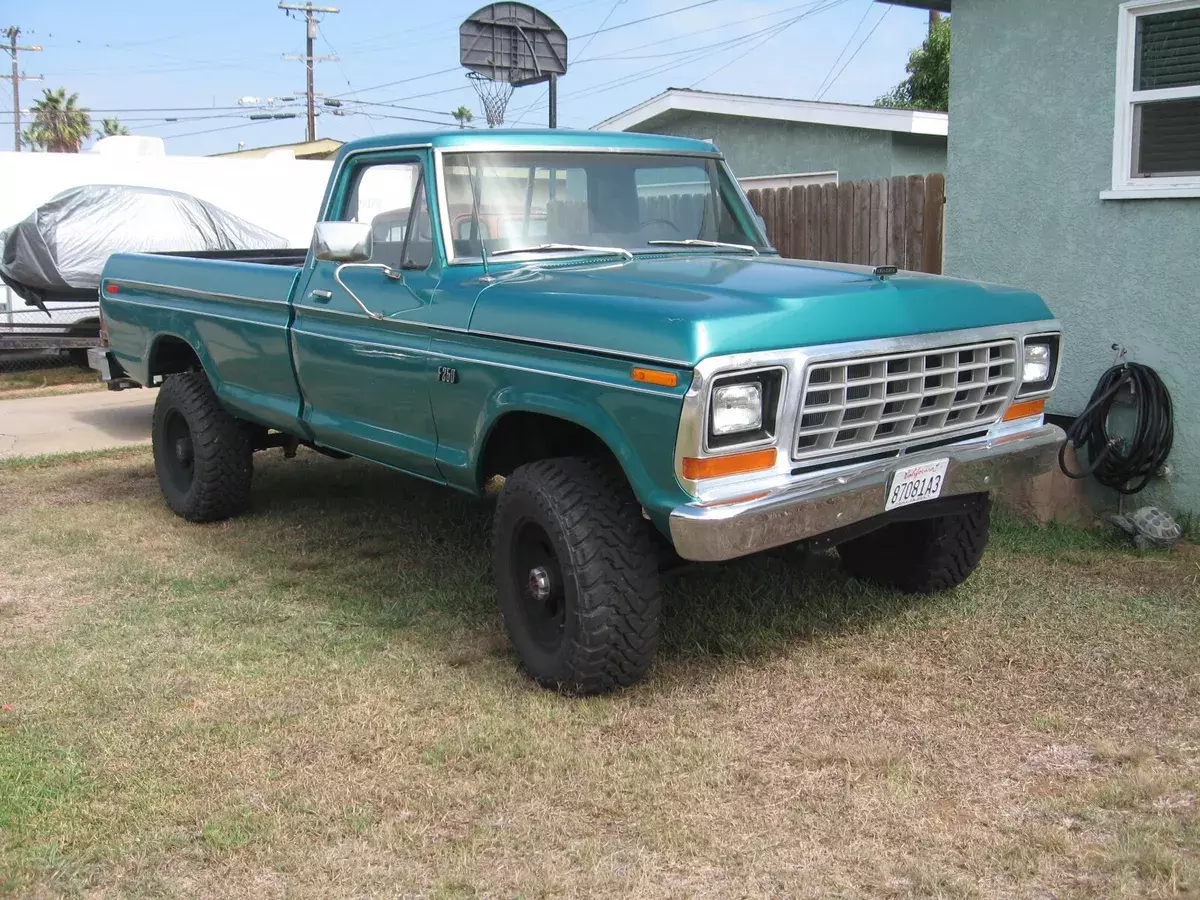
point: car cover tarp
(63, 244)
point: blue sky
(146, 61)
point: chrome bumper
(813, 505)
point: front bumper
(825, 502)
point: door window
(391, 197)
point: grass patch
(37, 379)
(58, 460)
(317, 700)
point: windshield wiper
(557, 248)
(696, 242)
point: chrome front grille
(849, 405)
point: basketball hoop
(508, 45)
(493, 95)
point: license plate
(917, 483)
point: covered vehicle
(57, 252)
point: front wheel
(577, 575)
(924, 556)
(203, 456)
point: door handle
(321, 296)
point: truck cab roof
(532, 139)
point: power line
(341, 68)
(163, 109)
(775, 31)
(694, 56)
(214, 130)
(886, 10)
(661, 15)
(849, 41)
(721, 27)
(405, 81)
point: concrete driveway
(62, 423)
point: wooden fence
(892, 221)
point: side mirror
(762, 223)
(343, 242)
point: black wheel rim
(538, 583)
(179, 455)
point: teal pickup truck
(600, 320)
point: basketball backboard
(513, 43)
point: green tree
(462, 116)
(59, 124)
(928, 83)
(110, 128)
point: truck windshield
(642, 203)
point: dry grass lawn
(316, 701)
(38, 381)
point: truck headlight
(743, 408)
(1037, 363)
(737, 408)
(1039, 360)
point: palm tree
(462, 116)
(110, 128)
(59, 126)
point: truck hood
(686, 307)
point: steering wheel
(667, 222)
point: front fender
(638, 429)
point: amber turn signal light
(1024, 409)
(656, 376)
(734, 464)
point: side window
(384, 195)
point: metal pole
(13, 49)
(553, 101)
(308, 63)
(16, 77)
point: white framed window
(1156, 142)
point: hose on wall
(1124, 464)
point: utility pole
(310, 33)
(12, 33)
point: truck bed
(233, 307)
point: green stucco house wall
(1034, 200)
(763, 136)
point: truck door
(362, 356)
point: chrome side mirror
(344, 242)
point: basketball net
(493, 96)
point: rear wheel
(924, 556)
(577, 576)
(203, 456)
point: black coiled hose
(1124, 464)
